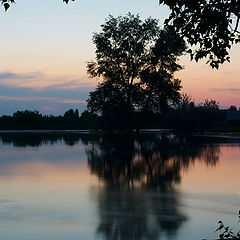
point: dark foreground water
(89, 186)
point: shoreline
(218, 134)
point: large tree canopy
(211, 26)
(136, 62)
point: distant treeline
(35, 120)
(186, 116)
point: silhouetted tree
(27, 117)
(109, 101)
(210, 105)
(210, 111)
(183, 117)
(136, 61)
(188, 116)
(159, 88)
(70, 115)
(211, 26)
(186, 102)
(232, 108)
(87, 116)
(76, 113)
(89, 120)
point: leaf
(226, 229)
(221, 236)
(220, 227)
(6, 6)
(67, 1)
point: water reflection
(138, 215)
(42, 138)
(36, 140)
(149, 161)
(138, 196)
(139, 199)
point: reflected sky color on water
(89, 186)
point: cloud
(55, 98)
(46, 105)
(74, 101)
(50, 109)
(76, 93)
(73, 84)
(51, 99)
(225, 89)
(10, 75)
(39, 81)
(8, 98)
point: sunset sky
(45, 46)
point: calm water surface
(89, 186)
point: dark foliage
(227, 232)
(136, 61)
(211, 26)
(185, 116)
(34, 120)
(232, 108)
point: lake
(79, 185)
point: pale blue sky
(45, 46)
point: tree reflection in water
(36, 139)
(151, 161)
(139, 199)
